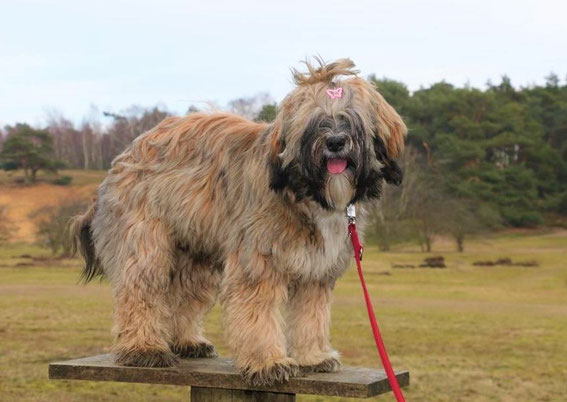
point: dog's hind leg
(309, 317)
(142, 313)
(193, 292)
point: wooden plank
(200, 394)
(219, 373)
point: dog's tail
(82, 240)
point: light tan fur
(187, 211)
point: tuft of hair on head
(324, 72)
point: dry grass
(465, 333)
(21, 200)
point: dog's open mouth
(336, 165)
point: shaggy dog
(213, 204)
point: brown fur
(190, 209)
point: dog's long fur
(213, 203)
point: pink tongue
(336, 165)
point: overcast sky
(68, 55)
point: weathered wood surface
(219, 373)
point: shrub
(6, 226)
(521, 218)
(53, 225)
(63, 181)
(59, 164)
(9, 166)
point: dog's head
(335, 141)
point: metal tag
(351, 212)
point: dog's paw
(146, 358)
(330, 365)
(195, 350)
(277, 371)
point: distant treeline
(501, 152)
(504, 147)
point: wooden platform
(217, 373)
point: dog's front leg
(309, 317)
(252, 295)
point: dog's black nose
(336, 143)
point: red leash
(377, 336)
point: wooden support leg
(201, 394)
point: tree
(426, 210)
(67, 140)
(396, 93)
(391, 222)
(249, 107)
(193, 109)
(422, 207)
(28, 149)
(464, 217)
(267, 113)
(126, 127)
(53, 225)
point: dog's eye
(344, 123)
(326, 125)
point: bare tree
(127, 126)
(66, 139)
(93, 124)
(409, 212)
(463, 217)
(422, 208)
(249, 107)
(390, 218)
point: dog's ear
(391, 171)
(278, 175)
(277, 142)
(390, 131)
(389, 125)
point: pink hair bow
(335, 93)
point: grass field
(465, 333)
